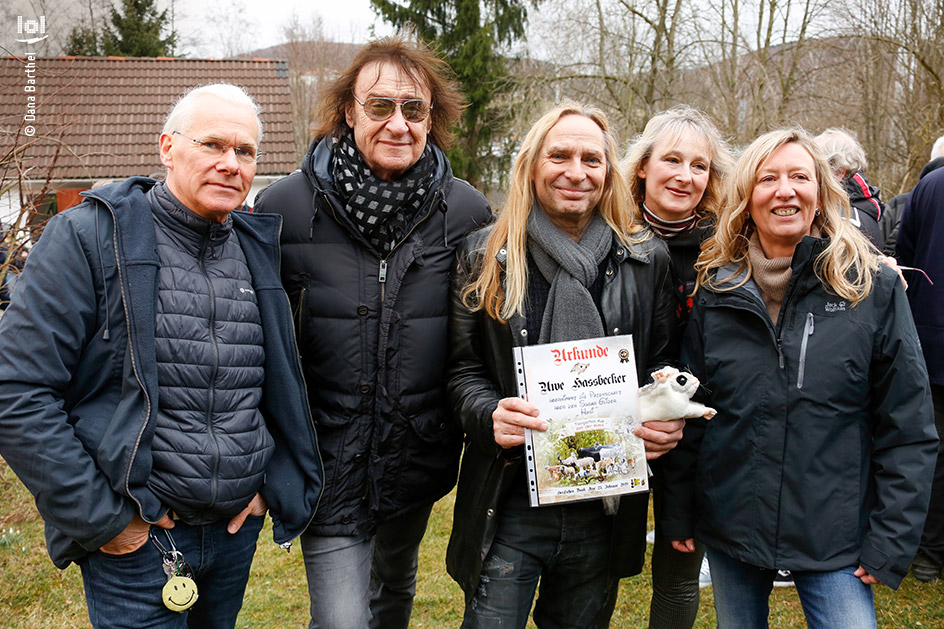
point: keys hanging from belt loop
(180, 592)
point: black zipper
(214, 371)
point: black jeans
(932, 540)
(566, 548)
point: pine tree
(136, 30)
(83, 42)
(469, 33)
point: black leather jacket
(637, 299)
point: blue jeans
(361, 581)
(833, 600)
(566, 548)
(125, 590)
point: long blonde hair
(669, 125)
(485, 290)
(847, 264)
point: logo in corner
(31, 27)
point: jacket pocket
(432, 426)
(324, 420)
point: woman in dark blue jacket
(820, 458)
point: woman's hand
(684, 545)
(511, 417)
(660, 436)
(892, 263)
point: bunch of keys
(180, 591)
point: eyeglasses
(246, 153)
(380, 108)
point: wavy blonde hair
(486, 291)
(669, 126)
(845, 267)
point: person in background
(562, 262)
(820, 457)
(372, 223)
(891, 217)
(920, 243)
(151, 396)
(848, 163)
(676, 170)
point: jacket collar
(805, 253)
(130, 207)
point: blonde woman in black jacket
(820, 458)
(676, 170)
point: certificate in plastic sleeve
(586, 392)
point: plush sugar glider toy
(669, 397)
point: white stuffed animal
(669, 397)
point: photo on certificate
(587, 393)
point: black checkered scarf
(384, 211)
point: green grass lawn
(34, 594)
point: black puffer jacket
(823, 448)
(637, 299)
(373, 339)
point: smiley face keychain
(180, 592)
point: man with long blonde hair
(561, 263)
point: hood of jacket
(863, 195)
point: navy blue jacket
(78, 374)
(921, 244)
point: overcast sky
(259, 24)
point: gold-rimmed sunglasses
(380, 108)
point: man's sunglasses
(380, 108)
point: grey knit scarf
(570, 268)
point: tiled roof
(110, 110)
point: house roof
(109, 111)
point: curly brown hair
(417, 61)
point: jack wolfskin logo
(249, 290)
(835, 307)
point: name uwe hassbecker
(616, 378)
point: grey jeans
(360, 581)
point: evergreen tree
(469, 33)
(136, 30)
(83, 42)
